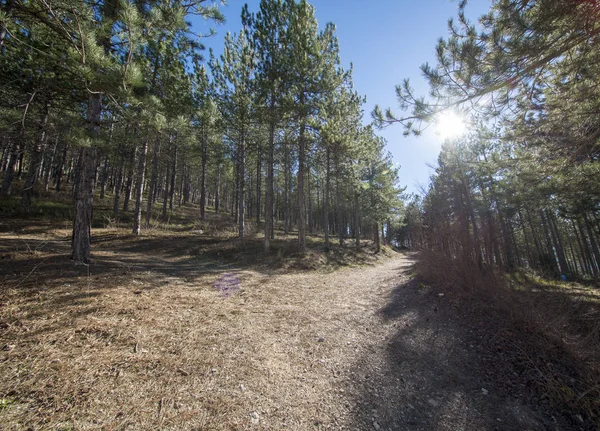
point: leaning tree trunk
(84, 186)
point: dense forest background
(116, 98)
(522, 189)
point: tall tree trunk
(137, 216)
(84, 187)
(258, 184)
(593, 240)
(562, 259)
(549, 245)
(104, 177)
(61, 166)
(153, 180)
(242, 185)
(338, 196)
(377, 239)
(357, 221)
(166, 191)
(35, 163)
(301, 197)
(204, 153)
(218, 188)
(15, 152)
(269, 192)
(326, 198)
(310, 201)
(287, 224)
(173, 178)
(130, 175)
(50, 165)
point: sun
(450, 125)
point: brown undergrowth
(548, 331)
(146, 337)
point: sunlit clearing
(450, 125)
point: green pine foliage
(114, 100)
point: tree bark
(301, 197)
(84, 186)
(242, 185)
(35, 163)
(326, 198)
(204, 153)
(269, 185)
(153, 181)
(137, 216)
(258, 184)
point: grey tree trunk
(173, 179)
(153, 181)
(301, 191)
(139, 192)
(242, 185)
(258, 184)
(203, 177)
(84, 186)
(35, 163)
(269, 185)
(326, 199)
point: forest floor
(180, 330)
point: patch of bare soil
(150, 337)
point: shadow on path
(432, 372)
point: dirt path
(357, 349)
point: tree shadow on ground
(437, 372)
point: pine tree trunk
(50, 165)
(139, 192)
(356, 221)
(35, 163)
(218, 188)
(9, 173)
(84, 187)
(301, 197)
(286, 191)
(310, 201)
(166, 192)
(61, 166)
(130, 175)
(593, 240)
(153, 181)
(326, 198)
(204, 153)
(258, 185)
(269, 192)
(104, 177)
(242, 185)
(173, 178)
(338, 194)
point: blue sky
(387, 41)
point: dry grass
(141, 339)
